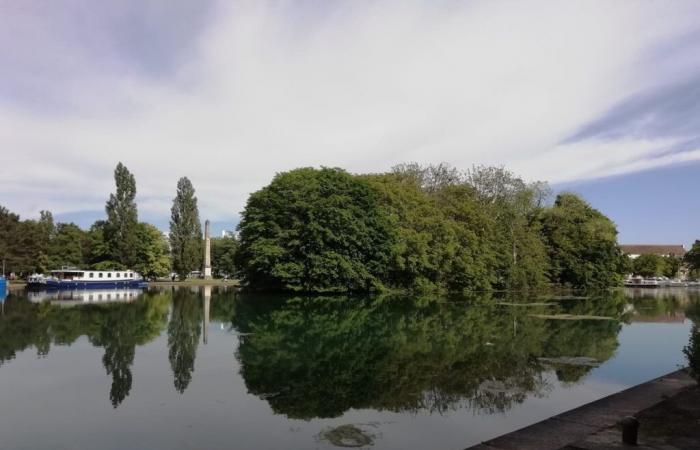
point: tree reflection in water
(320, 356)
(184, 331)
(314, 357)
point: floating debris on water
(572, 361)
(570, 317)
(348, 436)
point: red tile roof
(675, 250)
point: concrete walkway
(594, 426)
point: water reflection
(318, 357)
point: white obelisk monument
(207, 252)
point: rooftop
(673, 249)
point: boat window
(117, 275)
(92, 275)
(109, 274)
(131, 275)
(100, 275)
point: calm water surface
(213, 369)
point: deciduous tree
(185, 230)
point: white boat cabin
(95, 275)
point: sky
(598, 97)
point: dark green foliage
(223, 257)
(582, 244)
(692, 352)
(314, 230)
(184, 330)
(692, 258)
(185, 230)
(120, 230)
(321, 356)
(68, 247)
(478, 230)
(116, 327)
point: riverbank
(668, 409)
(194, 282)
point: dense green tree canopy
(152, 252)
(122, 218)
(223, 256)
(437, 228)
(317, 230)
(185, 230)
(582, 244)
(692, 258)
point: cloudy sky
(599, 97)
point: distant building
(635, 251)
(228, 234)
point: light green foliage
(440, 234)
(314, 230)
(672, 266)
(655, 266)
(223, 256)
(122, 218)
(152, 252)
(515, 208)
(185, 230)
(582, 244)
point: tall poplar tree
(122, 218)
(185, 230)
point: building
(635, 251)
(228, 234)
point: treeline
(651, 265)
(119, 241)
(433, 227)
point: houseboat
(74, 297)
(87, 279)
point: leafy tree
(440, 234)
(692, 352)
(692, 258)
(516, 208)
(68, 246)
(672, 265)
(649, 265)
(223, 256)
(122, 218)
(185, 230)
(582, 244)
(314, 230)
(152, 252)
(24, 244)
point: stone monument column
(207, 252)
(205, 324)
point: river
(210, 368)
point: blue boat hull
(70, 284)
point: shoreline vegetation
(416, 228)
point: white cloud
(363, 86)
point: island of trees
(326, 230)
